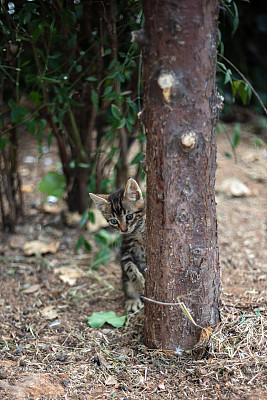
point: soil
(49, 351)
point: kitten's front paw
(133, 305)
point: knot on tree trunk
(166, 82)
(188, 141)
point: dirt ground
(49, 351)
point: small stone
(65, 382)
(62, 357)
(97, 361)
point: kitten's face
(123, 209)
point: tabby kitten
(124, 210)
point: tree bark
(181, 109)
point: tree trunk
(181, 109)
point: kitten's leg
(133, 285)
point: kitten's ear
(132, 191)
(100, 201)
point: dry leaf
(39, 247)
(17, 242)
(235, 188)
(69, 274)
(49, 312)
(72, 219)
(51, 208)
(32, 289)
(204, 337)
(111, 380)
(161, 385)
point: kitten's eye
(113, 221)
(129, 217)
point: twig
(160, 302)
(230, 141)
(245, 79)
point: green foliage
(98, 319)
(60, 57)
(82, 242)
(236, 137)
(53, 184)
(238, 85)
(104, 239)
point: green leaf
(31, 125)
(222, 66)
(115, 112)
(18, 113)
(98, 319)
(122, 123)
(79, 243)
(50, 80)
(244, 92)
(227, 155)
(235, 87)
(27, 18)
(87, 246)
(94, 98)
(53, 184)
(84, 219)
(102, 237)
(129, 126)
(236, 136)
(91, 216)
(3, 142)
(41, 128)
(82, 242)
(105, 238)
(132, 113)
(107, 90)
(138, 158)
(228, 76)
(37, 31)
(36, 97)
(91, 79)
(101, 257)
(236, 18)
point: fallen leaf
(49, 312)
(111, 380)
(36, 386)
(17, 242)
(69, 274)
(32, 289)
(39, 247)
(161, 385)
(51, 208)
(204, 337)
(98, 319)
(235, 188)
(72, 219)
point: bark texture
(181, 109)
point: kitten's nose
(123, 228)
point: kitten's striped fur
(125, 211)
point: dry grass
(110, 363)
(68, 360)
